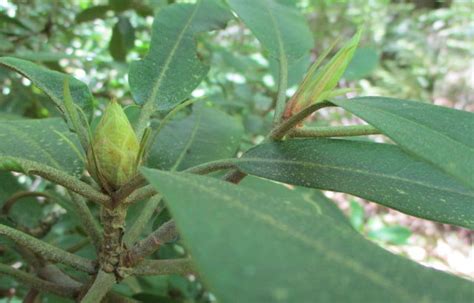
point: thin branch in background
(281, 130)
(164, 234)
(37, 283)
(8, 204)
(140, 194)
(334, 131)
(103, 283)
(132, 234)
(88, 221)
(47, 251)
(164, 267)
(210, 167)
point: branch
(129, 187)
(89, 223)
(280, 130)
(138, 226)
(102, 285)
(334, 131)
(234, 176)
(140, 194)
(47, 251)
(164, 234)
(8, 204)
(59, 177)
(37, 283)
(164, 267)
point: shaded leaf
(52, 83)
(205, 135)
(439, 135)
(391, 234)
(92, 13)
(172, 69)
(363, 63)
(377, 172)
(255, 237)
(281, 28)
(123, 39)
(46, 141)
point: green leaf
(287, 251)
(52, 83)
(397, 235)
(205, 135)
(281, 29)
(123, 39)
(311, 196)
(92, 13)
(363, 63)
(357, 215)
(382, 173)
(442, 136)
(46, 141)
(172, 69)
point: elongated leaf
(51, 83)
(381, 173)
(440, 135)
(123, 38)
(46, 141)
(280, 28)
(172, 70)
(207, 134)
(286, 251)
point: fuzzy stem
(334, 131)
(103, 283)
(59, 177)
(282, 86)
(132, 234)
(164, 234)
(47, 251)
(113, 221)
(37, 283)
(280, 130)
(8, 204)
(234, 176)
(89, 223)
(164, 267)
(142, 193)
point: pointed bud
(113, 152)
(319, 82)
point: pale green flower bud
(115, 147)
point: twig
(164, 234)
(47, 251)
(234, 176)
(280, 130)
(37, 283)
(89, 223)
(8, 204)
(132, 234)
(334, 131)
(57, 176)
(129, 187)
(142, 193)
(164, 267)
(103, 283)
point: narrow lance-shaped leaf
(381, 173)
(46, 141)
(52, 83)
(442, 136)
(286, 251)
(123, 39)
(172, 69)
(280, 28)
(319, 82)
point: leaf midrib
(353, 170)
(170, 58)
(324, 250)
